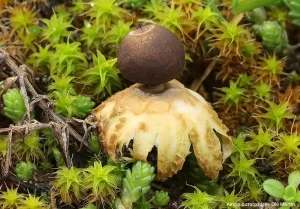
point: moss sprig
(68, 184)
(101, 182)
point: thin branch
(197, 83)
(53, 116)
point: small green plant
(135, 4)
(14, 105)
(89, 206)
(198, 200)
(240, 146)
(135, 184)
(154, 6)
(68, 184)
(63, 84)
(261, 143)
(243, 170)
(78, 7)
(63, 103)
(276, 113)
(103, 75)
(105, 12)
(263, 90)
(82, 106)
(32, 202)
(3, 145)
(101, 182)
(230, 200)
(289, 194)
(10, 199)
(274, 37)
(29, 148)
(230, 37)
(67, 59)
(206, 19)
(24, 170)
(91, 35)
(294, 6)
(21, 17)
(56, 28)
(232, 94)
(172, 18)
(94, 144)
(286, 147)
(41, 60)
(116, 34)
(160, 198)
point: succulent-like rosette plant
(159, 111)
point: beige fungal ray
(172, 121)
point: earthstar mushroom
(159, 111)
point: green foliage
(21, 17)
(244, 80)
(29, 148)
(14, 105)
(56, 28)
(103, 75)
(143, 203)
(232, 94)
(91, 34)
(24, 170)
(78, 7)
(58, 156)
(294, 6)
(10, 199)
(135, 4)
(271, 67)
(230, 200)
(161, 198)
(63, 103)
(240, 146)
(276, 113)
(83, 106)
(286, 147)
(258, 15)
(100, 181)
(62, 83)
(94, 144)
(116, 34)
(255, 192)
(198, 200)
(206, 19)
(67, 59)
(41, 60)
(89, 206)
(172, 18)
(230, 37)
(135, 184)
(250, 5)
(243, 170)
(105, 12)
(274, 37)
(3, 145)
(154, 6)
(261, 143)
(32, 202)
(263, 90)
(68, 184)
(290, 193)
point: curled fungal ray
(172, 121)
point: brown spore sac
(151, 55)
